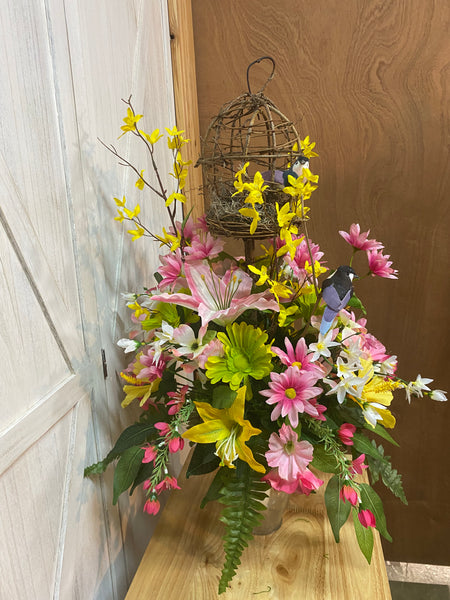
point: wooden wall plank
(186, 102)
(369, 82)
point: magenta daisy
(380, 265)
(288, 454)
(359, 240)
(291, 393)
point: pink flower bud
(366, 518)
(152, 507)
(168, 483)
(150, 454)
(175, 444)
(358, 465)
(163, 428)
(345, 433)
(348, 493)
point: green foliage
(132, 436)
(381, 431)
(306, 304)
(364, 535)
(126, 470)
(324, 461)
(390, 476)
(371, 501)
(337, 510)
(242, 496)
(364, 446)
(220, 480)
(355, 302)
(99, 467)
(223, 396)
(203, 460)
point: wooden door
(65, 65)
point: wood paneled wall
(369, 82)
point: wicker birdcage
(249, 129)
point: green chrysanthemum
(246, 355)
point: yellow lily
(228, 428)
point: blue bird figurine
(336, 292)
(281, 177)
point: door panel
(63, 263)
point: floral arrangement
(231, 353)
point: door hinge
(105, 366)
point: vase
(276, 504)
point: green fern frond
(390, 476)
(242, 496)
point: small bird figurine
(336, 291)
(281, 177)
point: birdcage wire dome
(250, 129)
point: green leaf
(203, 460)
(371, 501)
(145, 472)
(324, 461)
(99, 467)
(126, 470)
(381, 431)
(355, 302)
(241, 494)
(364, 445)
(223, 396)
(364, 535)
(337, 510)
(158, 277)
(132, 436)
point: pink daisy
(288, 454)
(380, 265)
(290, 392)
(359, 240)
(298, 357)
(171, 271)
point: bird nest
(249, 129)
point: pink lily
(218, 299)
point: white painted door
(65, 65)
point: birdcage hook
(258, 60)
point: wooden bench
(301, 560)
